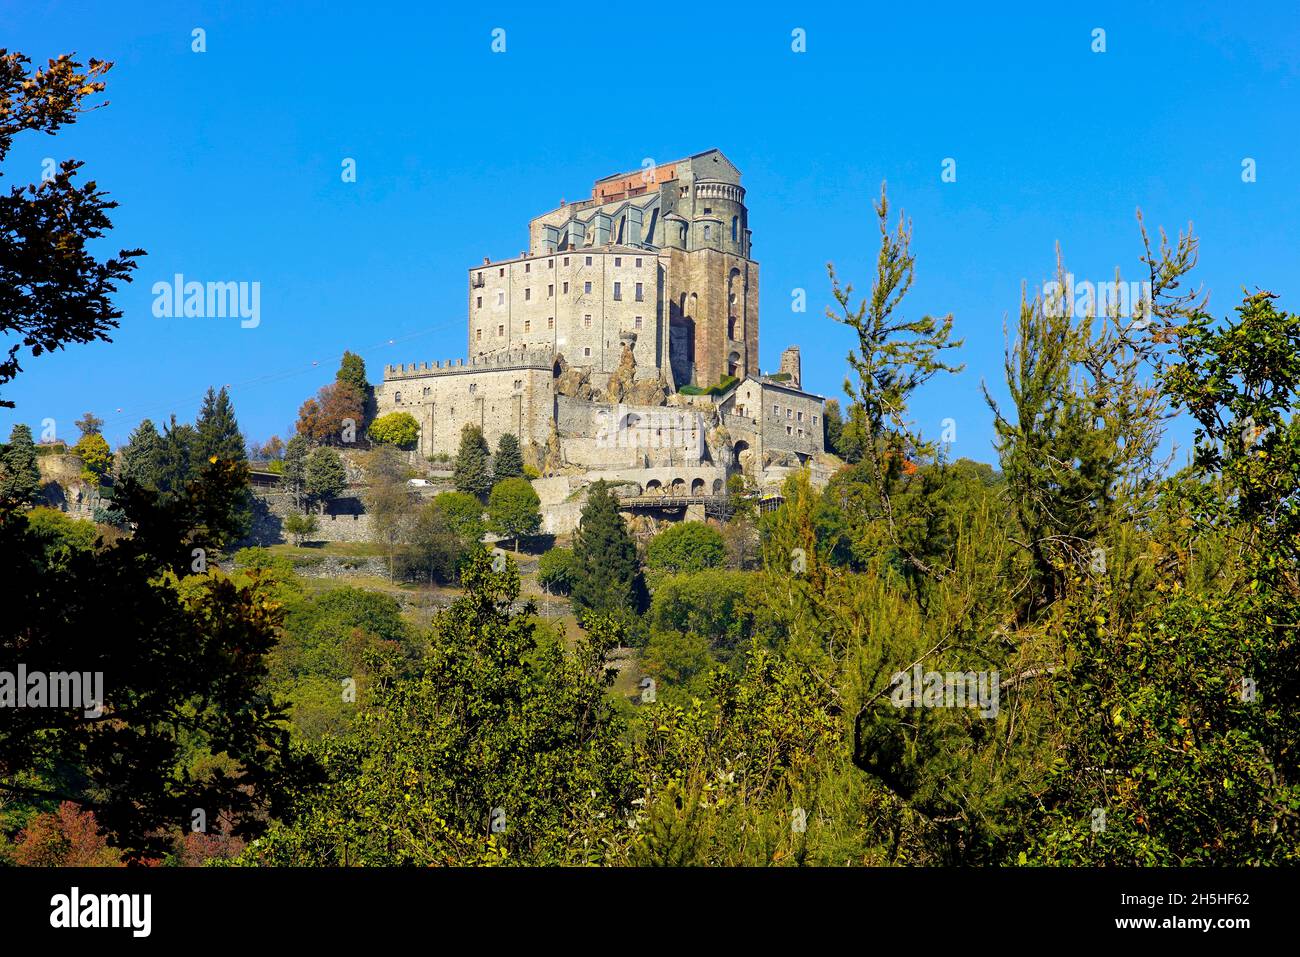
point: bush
(396, 428)
(556, 570)
(687, 547)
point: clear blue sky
(227, 167)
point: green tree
(464, 513)
(294, 474)
(439, 543)
(556, 570)
(300, 525)
(352, 371)
(504, 748)
(471, 474)
(609, 577)
(142, 458)
(388, 501)
(509, 461)
(96, 457)
(514, 509)
(324, 477)
(687, 547)
(20, 476)
(216, 433)
(832, 426)
(395, 428)
(176, 461)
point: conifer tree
(295, 466)
(471, 473)
(142, 457)
(20, 477)
(176, 461)
(216, 431)
(509, 461)
(608, 576)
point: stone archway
(697, 487)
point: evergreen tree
(142, 457)
(176, 459)
(294, 475)
(216, 431)
(326, 478)
(608, 577)
(352, 370)
(471, 474)
(513, 509)
(509, 461)
(20, 477)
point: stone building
(623, 343)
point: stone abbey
(623, 344)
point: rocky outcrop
(575, 383)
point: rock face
(575, 383)
(552, 457)
(623, 386)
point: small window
(638, 262)
(640, 292)
(586, 287)
(800, 416)
(473, 387)
(788, 430)
(707, 231)
(618, 290)
(478, 335)
(528, 325)
(586, 352)
(789, 413)
(814, 418)
(528, 267)
(478, 302)
(550, 264)
(480, 275)
(550, 322)
(707, 211)
(528, 295)
(397, 397)
(519, 384)
(501, 299)
(586, 322)
(637, 323)
(588, 260)
(501, 330)
(502, 271)
(550, 290)
(801, 433)
(566, 287)
(776, 410)
(566, 260)
(618, 261)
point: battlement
(494, 362)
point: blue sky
(227, 167)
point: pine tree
(326, 478)
(89, 424)
(20, 477)
(509, 461)
(142, 457)
(352, 370)
(471, 474)
(608, 576)
(217, 432)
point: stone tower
(790, 366)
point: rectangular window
(550, 322)
(586, 287)
(478, 302)
(501, 299)
(566, 260)
(528, 267)
(478, 335)
(550, 264)
(550, 290)
(528, 325)
(528, 295)
(637, 323)
(638, 262)
(566, 287)
(502, 272)
(501, 330)
(789, 413)
(588, 260)
(618, 290)
(776, 410)
(618, 260)
(800, 416)
(586, 352)
(640, 293)
(586, 322)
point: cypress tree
(142, 457)
(509, 460)
(175, 462)
(608, 577)
(471, 474)
(20, 476)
